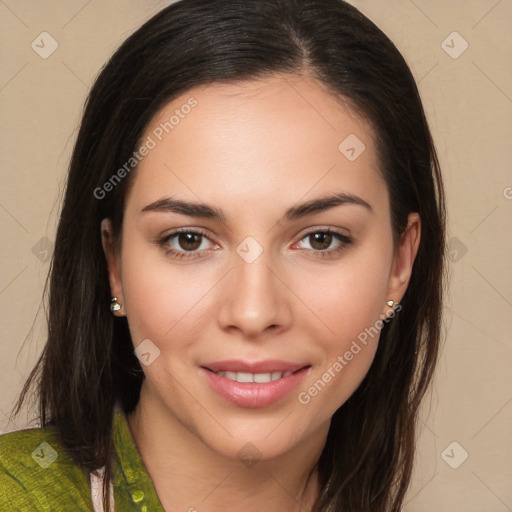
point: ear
(403, 260)
(113, 264)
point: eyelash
(162, 242)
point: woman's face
(253, 284)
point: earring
(392, 303)
(114, 305)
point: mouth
(260, 378)
(264, 371)
(257, 384)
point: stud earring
(114, 305)
(392, 303)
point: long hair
(88, 363)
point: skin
(253, 150)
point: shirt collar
(131, 478)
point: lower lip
(253, 394)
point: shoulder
(37, 474)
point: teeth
(260, 378)
(244, 377)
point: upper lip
(266, 366)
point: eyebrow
(202, 210)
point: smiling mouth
(267, 383)
(259, 378)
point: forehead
(281, 137)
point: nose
(256, 298)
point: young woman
(245, 293)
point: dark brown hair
(88, 363)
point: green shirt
(36, 474)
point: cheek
(347, 304)
(347, 297)
(161, 300)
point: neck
(188, 474)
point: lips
(254, 384)
(259, 378)
(267, 366)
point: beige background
(468, 100)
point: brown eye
(320, 241)
(186, 243)
(189, 241)
(325, 243)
